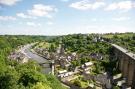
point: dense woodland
(14, 75)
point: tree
(52, 48)
(29, 77)
(9, 79)
(14, 75)
(54, 83)
(40, 85)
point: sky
(61, 17)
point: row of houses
(87, 67)
(64, 73)
(18, 56)
(43, 51)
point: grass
(44, 45)
(80, 83)
(119, 35)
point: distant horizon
(62, 17)
(62, 35)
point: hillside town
(73, 69)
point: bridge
(126, 64)
(48, 64)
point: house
(19, 57)
(87, 67)
(67, 66)
(97, 56)
(69, 58)
(74, 54)
(25, 60)
(88, 64)
(64, 73)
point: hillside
(14, 75)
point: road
(33, 56)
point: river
(33, 56)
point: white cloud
(41, 10)
(9, 2)
(33, 24)
(49, 16)
(123, 5)
(50, 23)
(94, 19)
(22, 15)
(121, 18)
(64, 0)
(7, 18)
(87, 5)
(30, 23)
(38, 10)
(97, 5)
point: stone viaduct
(126, 64)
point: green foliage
(14, 75)
(8, 79)
(40, 85)
(84, 44)
(75, 63)
(77, 82)
(54, 83)
(126, 40)
(13, 78)
(97, 69)
(28, 76)
(31, 65)
(81, 83)
(52, 48)
(116, 87)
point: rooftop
(88, 63)
(62, 71)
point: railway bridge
(126, 64)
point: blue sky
(58, 17)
